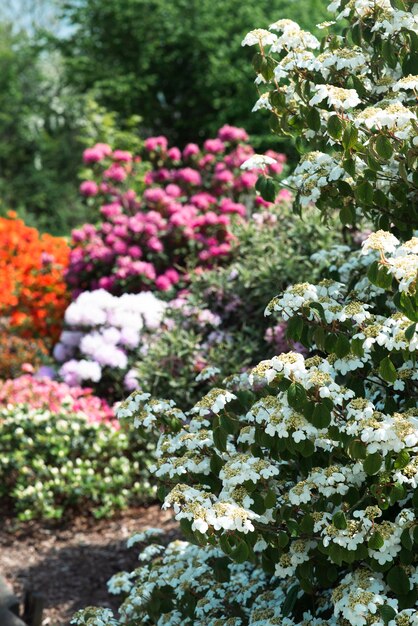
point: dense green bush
(57, 463)
(218, 326)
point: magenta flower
(151, 239)
(89, 188)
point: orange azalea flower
(33, 296)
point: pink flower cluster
(44, 393)
(180, 223)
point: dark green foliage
(178, 63)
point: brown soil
(70, 565)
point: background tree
(178, 63)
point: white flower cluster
(147, 412)
(102, 331)
(403, 260)
(341, 88)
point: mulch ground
(70, 564)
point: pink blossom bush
(181, 222)
(45, 393)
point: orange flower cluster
(33, 293)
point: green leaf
(317, 306)
(398, 580)
(342, 346)
(307, 524)
(290, 600)
(387, 370)
(350, 136)
(408, 305)
(350, 167)
(241, 553)
(220, 438)
(330, 342)
(221, 570)
(406, 539)
(384, 278)
(357, 449)
(372, 463)
(270, 499)
(387, 613)
(321, 416)
(216, 464)
(357, 347)
(410, 64)
(376, 541)
(335, 127)
(347, 214)
(402, 459)
(282, 539)
(267, 189)
(313, 119)
(296, 396)
(339, 520)
(294, 328)
(410, 331)
(227, 424)
(383, 147)
(364, 192)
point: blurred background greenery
(79, 71)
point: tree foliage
(177, 63)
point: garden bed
(71, 563)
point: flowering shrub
(307, 467)
(56, 462)
(181, 221)
(33, 295)
(43, 393)
(216, 327)
(351, 106)
(103, 335)
(17, 352)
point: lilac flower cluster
(102, 335)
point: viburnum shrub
(33, 293)
(305, 467)
(151, 239)
(349, 100)
(304, 471)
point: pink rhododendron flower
(96, 153)
(155, 143)
(174, 154)
(189, 176)
(89, 188)
(214, 145)
(116, 172)
(148, 239)
(232, 133)
(122, 155)
(191, 150)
